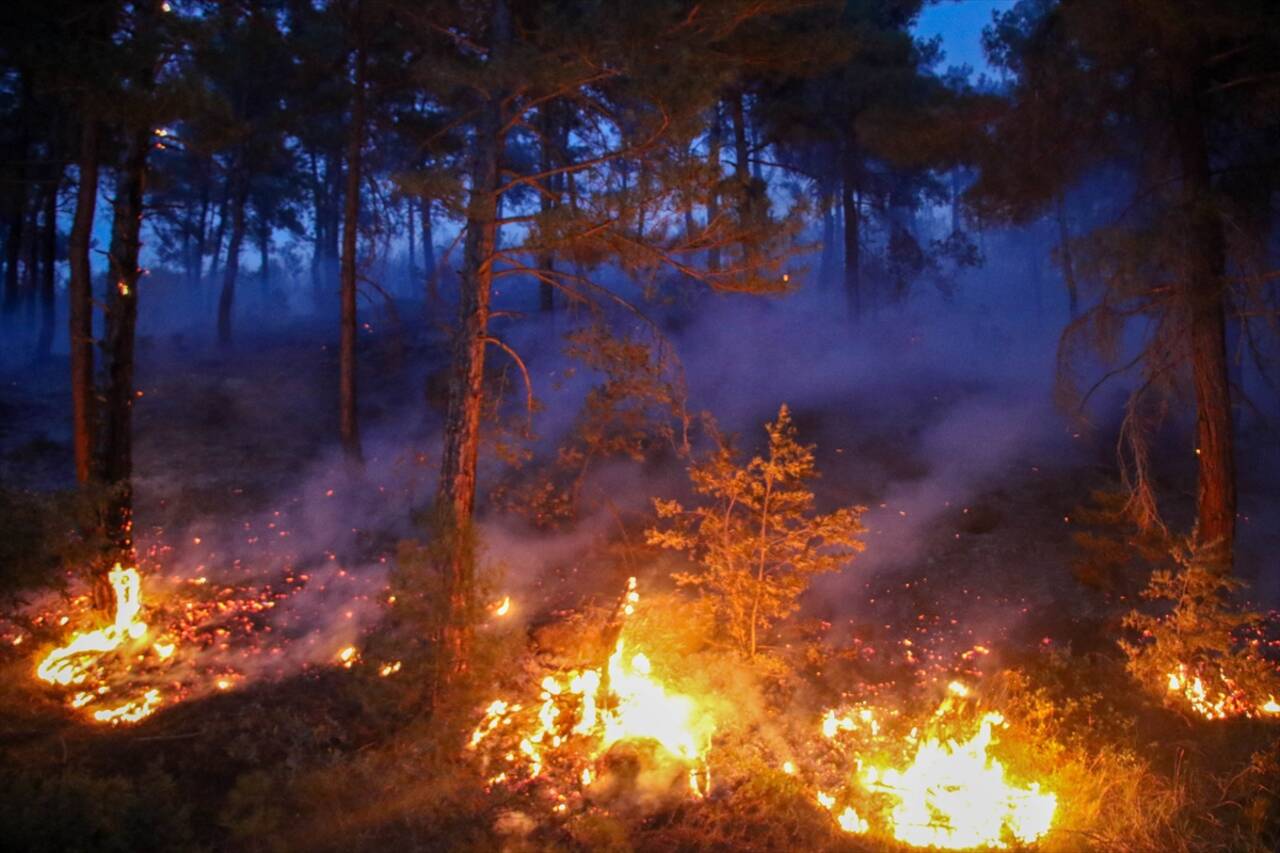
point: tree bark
(122, 319)
(231, 266)
(456, 493)
(1204, 296)
(80, 297)
(348, 422)
(849, 191)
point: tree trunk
(264, 254)
(122, 319)
(548, 157)
(456, 494)
(202, 231)
(827, 264)
(1204, 296)
(713, 196)
(852, 234)
(231, 266)
(80, 297)
(48, 261)
(15, 238)
(1064, 253)
(429, 258)
(348, 423)
(412, 228)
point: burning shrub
(1196, 650)
(757, 540)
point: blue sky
(960, 24)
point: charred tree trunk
(231, 268)
(1204, 297)
(849, 192)
(455, 499)
(48, 261)
(348, 422)
(122, 319)
(80, 297)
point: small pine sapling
(756, 538)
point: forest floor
(956, 560)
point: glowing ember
(1220, 700)
(584, 713)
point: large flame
(952, 794)
(955, 795)
(585, 712)
(77, 662)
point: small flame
(503, 607)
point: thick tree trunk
(348, 422)
(1204, 296)
(456, 494)
(48, 261)
(122, 319)
(231, 267)
(80, 297)
(852, 234)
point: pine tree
(757, 540)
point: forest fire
(77, 662)
(583, 713)
(951, 793)
(1219, 701)
(192, 638)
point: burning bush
(1197, 651)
